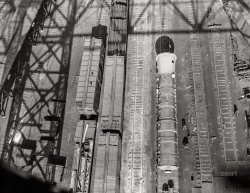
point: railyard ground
(228, 174)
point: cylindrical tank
(166, 124)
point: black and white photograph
(124, 96)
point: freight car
(107, 153)
(106, 172)
(87, 101)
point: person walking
(183, 121)
(235, 110)
(185, 142)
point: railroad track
(135, 158)
(193, 123)
(191, 82)
(202, 150)
(225, 120)
(136, 118)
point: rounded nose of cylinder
(164, 44)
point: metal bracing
(18, 67)
(29, 98)
(41, 91)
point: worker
(183, 124)
(192, 179)
(235, 110)
(185, 142)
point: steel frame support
(18, 67)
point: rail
(226, 121)
(205, 166)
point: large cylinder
(167, 130)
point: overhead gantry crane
(17, 71)
(24, 131)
